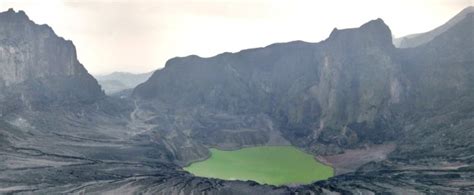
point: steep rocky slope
(350, 90)
(335, 92)
(54, 115)
(38, 68)
(441, 77)
(415, 40)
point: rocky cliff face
(440, 75)
(354, 88)
(37, 67)
(334, 92)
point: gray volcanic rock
(311, 91)
(415, 40)
(351, 90)
(441, 74)
(37, 67)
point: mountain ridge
(414, 40)
(211, 74)
(40, 67)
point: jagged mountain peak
(40, 66)
(12, 16)
(372, 33)
(12, 12)
(20, 23)
(376, 24)
(21, 35)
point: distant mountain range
(120, 81)
(390, 120)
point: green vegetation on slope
(276, 165)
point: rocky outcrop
(37, 67)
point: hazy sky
(140, 35)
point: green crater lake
(275, 165)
